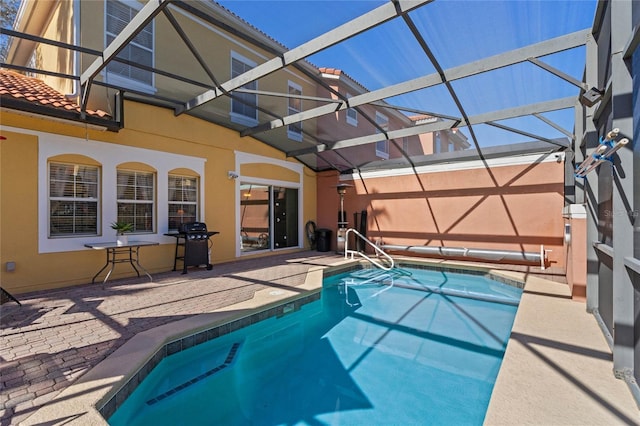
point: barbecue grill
(195, 241)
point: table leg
(112, 258)
(142, 267)
(112, 262)
(93, 280)
(131, 260)
(9, 296)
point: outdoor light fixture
(232, 175)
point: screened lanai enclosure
(423, 66)
(431, 82)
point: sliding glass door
(268, 217)
(285, 213)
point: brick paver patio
(56, 336)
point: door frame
(242, 158)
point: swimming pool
(416, 346)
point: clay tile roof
(340, 74)
(421, 118)
(333, 71)
(33, 90)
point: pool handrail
(377, 249)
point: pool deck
(64, 350)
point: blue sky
(458, 32)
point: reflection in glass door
(285, 217)
(268, 217)
(254, 217)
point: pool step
(233, 351)
(374, 273)
(370, 273)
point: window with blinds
(73, 199)
(136, 199)
(183, 200)
(243, 105)
(352, 114)
(437, 143)
(139, 50)
(382, 147)
(294, 131)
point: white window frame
(138, 201)
(32, 64)
(246, 158)
(118, 79)
(382, 147)
(235, 116)
(110, 157)
(174, 202)
(352, 114)
(294, 131)
(73, 199)
(437, 143)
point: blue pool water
(414, 347)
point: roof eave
(70, 117)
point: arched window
(136, 199)
(74, 199)
(183, 200)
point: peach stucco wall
(507, 207)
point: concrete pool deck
(64, 350)
(558, 368)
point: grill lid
(192, 227)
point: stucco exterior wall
(150, 133)
(506, 207)
(335, 127)
(172, 55)
(59, 28)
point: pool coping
(282, 303)
(80, 403)
(115, 377)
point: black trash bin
(323, 239)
